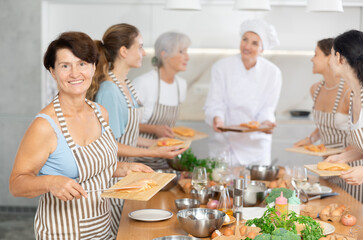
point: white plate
(252, 212)
(150, 215)
(324, 189)
(327, 227)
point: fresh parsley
(271, 221)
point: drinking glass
(299, 176)
(222, 172)
(199, 178)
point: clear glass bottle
(225, 204)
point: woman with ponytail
(347, 61)
(161, 91)
(120, 50)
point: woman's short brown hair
(79, 43)
(325, 45)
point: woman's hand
(163, 131)
(168, 152)
(268, 124)
(303, 142)
(217, 122)
(345, 157)
(66, 188)
(337, 158)
(124, 168)
(353, 176)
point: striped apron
(85, 218)
(357, 143)
(325, 122)
(129, 137)
(162, 115)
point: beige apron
(325, 122)
(330, 136)
(357, 143)
(129, 137)
(85, 218)
(162, 115)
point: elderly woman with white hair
(243, 88)
(161, 91)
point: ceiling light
(253, 5)
(324, 6)
(183, 4)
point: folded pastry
(315, 148)
(138, 186)
(251, 124)
(169, 142)
(328, 166)
(184, 131)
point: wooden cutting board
(186, 144)
(160, 178)
(329, 151)
(198, 135)
(237, 128)
(323, 173)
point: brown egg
(252, 235)
(273, 184)
(282, 184)
(216, 233)
(228, 232)
(243, 231)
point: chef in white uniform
(243, 88)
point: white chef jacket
(238, 95)
(146, 87)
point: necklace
(330, 88)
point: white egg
(227, 219)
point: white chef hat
(266, 32)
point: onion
(349, 220)
(212, 204)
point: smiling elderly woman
(243, 88)
(69, 149)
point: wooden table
(130, 229)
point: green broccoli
(264, 236)
(276, 192)
(283, 234)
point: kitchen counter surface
(130, 229)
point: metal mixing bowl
(200, 222)
(254, 194)
(185, 203)
(176, 238)
(173, 182)
(203, 195)
(263, 172)
(174, 163)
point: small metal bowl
(254, 194)
(200, 222)
(176, 238)
(185, 203)
(264, 172)
(173, 182)
(203, 195)
(174, 163)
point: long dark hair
(350, 46)
(114, 38)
